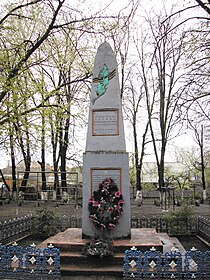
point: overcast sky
(147, 5)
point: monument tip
(104, 45)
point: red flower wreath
(105, 205)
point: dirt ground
(148, 209)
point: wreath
(106, 205)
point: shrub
(179, 220)
(46, 224)
(185, 211)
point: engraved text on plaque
(100, 174)
(105, 122)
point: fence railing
(70, 222)
(29, 263)
(191, 226)
(170, 265)
(14, 228)
(18, 227)
(173, 226)
(204, 228)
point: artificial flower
(118, 194)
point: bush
(46, 224)
(179, 220)
(148, 186)
(197, 195)
(185, 211)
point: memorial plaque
(100, 174)
(105, 122)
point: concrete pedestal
(98, 166)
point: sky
(185, 140)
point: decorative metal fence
(29, 263)
(70, 222)
(13, 229)
(192, 226)
(204, 228)
(174, 226)
(170, 265)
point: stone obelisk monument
(105, 154)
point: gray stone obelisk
(105, 154)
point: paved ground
(148, 209)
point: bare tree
(133, 98)
(159, 54)
(201, 164)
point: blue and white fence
(29, 263)
(12, 229)
(170, 265)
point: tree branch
(203, 5)
(14, 72)
(17, 8)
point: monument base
(71, 239)
(86, 237)
(73, 263)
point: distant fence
(29, 263)
(12, 229)
(170, 265)
(66, 190)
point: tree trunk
(25, 149)
(56, 177)
(26, 175)
(56, 182)
(161, 182)
(55, 166)
(204, 196)
(3, 179)
(14, 178)
(27, 161)
(63, 151)
(42, 163)
(136, 153)
(64, 136)
(12, 155)
(63, 170)
(139, 167)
